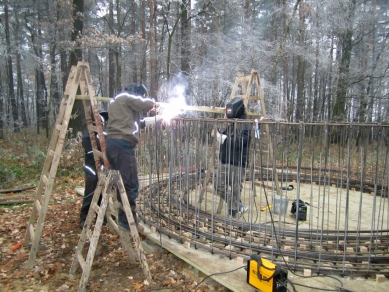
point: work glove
(219, 137)
(152, 120)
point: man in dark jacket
(125, 112)
(91, 177)
(233, 155)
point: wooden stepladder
(107, 188)
(246, 85)
(79, 80)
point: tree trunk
(11, 90)
(77, 123)
(111, 55)
(1, 106)
(300, 99)
(346, 45)
(153, 52)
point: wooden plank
(17, 189)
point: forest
(319, 61)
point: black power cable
(279, 249)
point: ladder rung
(51, 153)
(95, 207)
(88, 234)
(44, 179)
(58, 127)
(38, 206)
(98, 153)
(81, 260)
(93, 128)
(31, 231)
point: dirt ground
(111, 270)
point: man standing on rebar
(233, 155)
(125, 111)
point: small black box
(235, 108)
(301, 208)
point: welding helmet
(235, 108)
(137, 89)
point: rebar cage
(338, 171)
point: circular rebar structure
(339, 171)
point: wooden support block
(201, 224)
(334, 185)
(377, 241)
(350, 249)
(303, 247)
(240, 239)
(307, 272)
(318, 248)
(229, 247)
(286, 259)
(233, 233)
(380, 278)
(239, 260)
(363, 249)
(153, 229)
(365, 264)
(287, 247)
(187, 244)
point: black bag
(302, 209)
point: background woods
(318, 60)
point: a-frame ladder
(79, 80)
(246, 84)
(107, 187)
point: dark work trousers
(229, 185)
(121, 156)
(90, 186)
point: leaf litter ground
(111, 270)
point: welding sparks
(175, 103)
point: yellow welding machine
(266, 276)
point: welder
(233, 155)
(125, 111)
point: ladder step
(38, 206)
(58, 127)
(81, 260)
(95, 207)
(45, 179)
(88, 234)
(51, 153)
(93, 128)
(98, 153)
(31, 231)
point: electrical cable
(177, 286)
(279, 249)
(214, 274)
